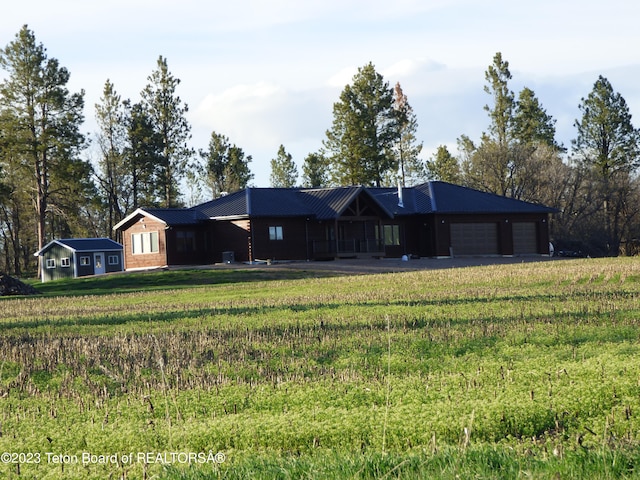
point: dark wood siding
(187, 246)
(231, 236)
(291, 246)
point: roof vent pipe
(400, 200)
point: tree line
(51, 188)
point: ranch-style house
(435, 219)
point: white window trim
(145, 245)
(51, 263)
(65, 262)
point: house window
(114, 259)
(64, 262)
(146, 242)
(392, 234)
(185, 241)
(51, 263)
(85, 261)
(275, 233)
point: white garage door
(474, 238)
(525, 239)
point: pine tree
(444, 166)
(167, 113)
(284, 173)
(113, 180)
(501, 113)
(226, 166)
(314, 171)
(608, 146)
(407, 149)
(531, 123)
(606, 139)
(41, 124)
(364, 131)
(507, 154)
(142, 156)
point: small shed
(79, 257)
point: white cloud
(342, 77)
(267, 72)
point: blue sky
(266, 73)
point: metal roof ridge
(432, 197)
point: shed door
(474, 238)
(525, 238)
(98, 263)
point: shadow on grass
(164, 280)
(477, 461)
(376, 320)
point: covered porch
(350, 239)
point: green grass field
(513, 371)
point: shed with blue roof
(80, 257)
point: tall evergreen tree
(41, 121)
(284, 172)
(444, 166)
(608, 146)
(314, 170)
(16, 219)
(364, 131)
(143, 152)
(606, 139)
(227, 167)
(407, 149)
(497, 77)
(167, 112)
(507, 155)
(531, 122)
(113, 179)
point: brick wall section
(145, 260)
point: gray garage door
(525, 239)
(474, 238)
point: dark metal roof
(328, 203)
(449, 198)
(84, 245)
(176, 216)
(319, 203)
(397, 202)
(280, 202)
(169, 216)
(232, 205)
